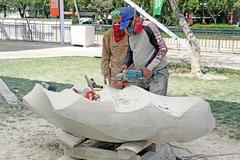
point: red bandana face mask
(118, 34)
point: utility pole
(62, 21)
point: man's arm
(129, 57)
(159, 44)
(106, 53)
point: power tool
(127, 76)
(91, 94)
(49, 86)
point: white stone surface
(131, 114)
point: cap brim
(124, 25)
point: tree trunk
(35, 12)
(215, 20)
(29, 29)
(106, 19)
(195, 48)
(45, 9)
(22, 11)
(46, 14)
(103, 18)
(5, 11)
(213, 17)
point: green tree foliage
(236, 6)
(39, 6)
(102, 7)
(218, 9)
(118, 4)
(43, 6)
(189, 6)
(4, 7)
(69, 4)
(21, 6)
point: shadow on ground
(227, 115)
(21, 87)
(6, 46)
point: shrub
(75, 20)
(215, 26)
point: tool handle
(132, 74)
(89, 84)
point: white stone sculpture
(130, 114)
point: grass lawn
(224, 96)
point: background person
(114, 51)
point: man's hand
(146, 72)
(106, 79)
(123, 67)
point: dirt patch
(24, 136)
(213, 146)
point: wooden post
(69, 140)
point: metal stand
(76, 148)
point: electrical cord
(196, 156)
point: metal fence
(231, 46)
(211, 31)
(220, 40)
(49, 31)
(33, 31)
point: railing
(230, 46)
(197, 31)
(32, 31)
(206, 31)
(49, 31)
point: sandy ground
(24, 136)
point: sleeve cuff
(149, 67)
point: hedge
(215, 26)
